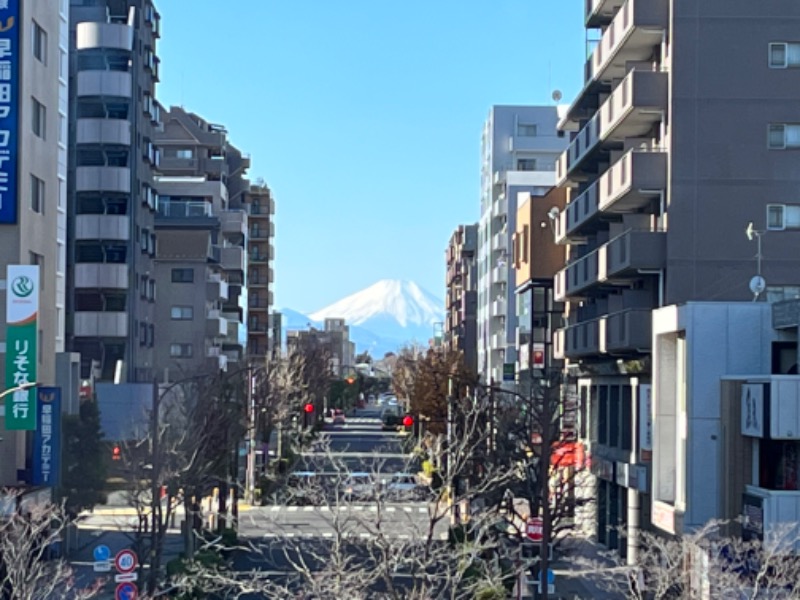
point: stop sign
(535, 529)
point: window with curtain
(784, 55)
(783, 135)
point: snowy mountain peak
(403, 302)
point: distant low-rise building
(334, 338)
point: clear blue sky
(364, 117)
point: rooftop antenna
(757, 284)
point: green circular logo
(22, 286)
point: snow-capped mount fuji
(394, 310)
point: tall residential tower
(519, 148)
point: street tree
(84, 469)
(714, 561)
(384, 552)
(30, 569)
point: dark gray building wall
(724, 95)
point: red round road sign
(535, 529)
(125, 561)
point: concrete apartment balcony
(256, 258)
(500, 274)
(216, 324)
(498, 340)
(270, 298)
(103, 179)
(582, 339)
(638, 26)
(500, 241)
(601, 12)
(633, 181)
(628, 331)
(500, 207)
(236, 334)
(580, 211)
(258, 282)
(232, 258)
(499, 307)
(103, 227)
(116, 84)
(578, 276)
(781, 395)
(104, 132)
(257, 303)
(259, 233)
(635, 105)
(584, 142)
(634, 251)
(101, 324)
(112, 276)
(535, 143)
(95, 35)
(233, 222)
(216, 288)
(176, 165)
(779, 512)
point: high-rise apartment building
(674, 148)
(113, 115)
(202, 229)
(33, 183)
(519, 149)
(461, 292)
(260, 256)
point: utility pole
(155, 493)
(251, 439)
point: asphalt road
(358, 445)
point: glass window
(526, 164)
(39, 118)
(180, 350)
(39, 42)
(526, 130)
(37, 194)
(182, 313)
(182, 275)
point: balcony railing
(629, 331)
(182, 209)
(600, 12)
(637, 27)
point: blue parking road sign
(101, 553)
(126, 591)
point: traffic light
(116, 453)
(408, 422)
(350, 380)
(308, 409)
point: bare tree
(703, 564)
(29, 532)
(377, 551)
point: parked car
(302, 488)
(390, 419)
(338, 416)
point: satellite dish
(557, 95)
(553, 213)
(757, 285)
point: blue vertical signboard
(9, 106)
(47, 439)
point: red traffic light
(350, 380)
(116, 453)
(309, 408)
(408, 421)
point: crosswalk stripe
(292, 508)
(407, 508)
(327, 534)
(276, 508)
(308, 508)
(390, 509)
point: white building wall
(694, 346)
(502, 148)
